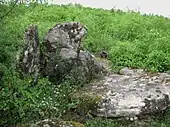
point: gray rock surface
(64, 55)
(134, 93)
(60, 56)
(29, 58)
(56, 123)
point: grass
(130, 39)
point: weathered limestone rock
(56, 123)
(61, 55)
(29, 59)
(134, 93)
(64, 56)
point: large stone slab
(131, 93)
(56, 123)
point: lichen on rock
(134, 93)
(29, 58)
(63, 54)
(60, 56)
(56, 123)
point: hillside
(131, 40)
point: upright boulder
(29, 58)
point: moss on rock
(88, 102)
(76, 124)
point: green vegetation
(131, 40)
(125, 123)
